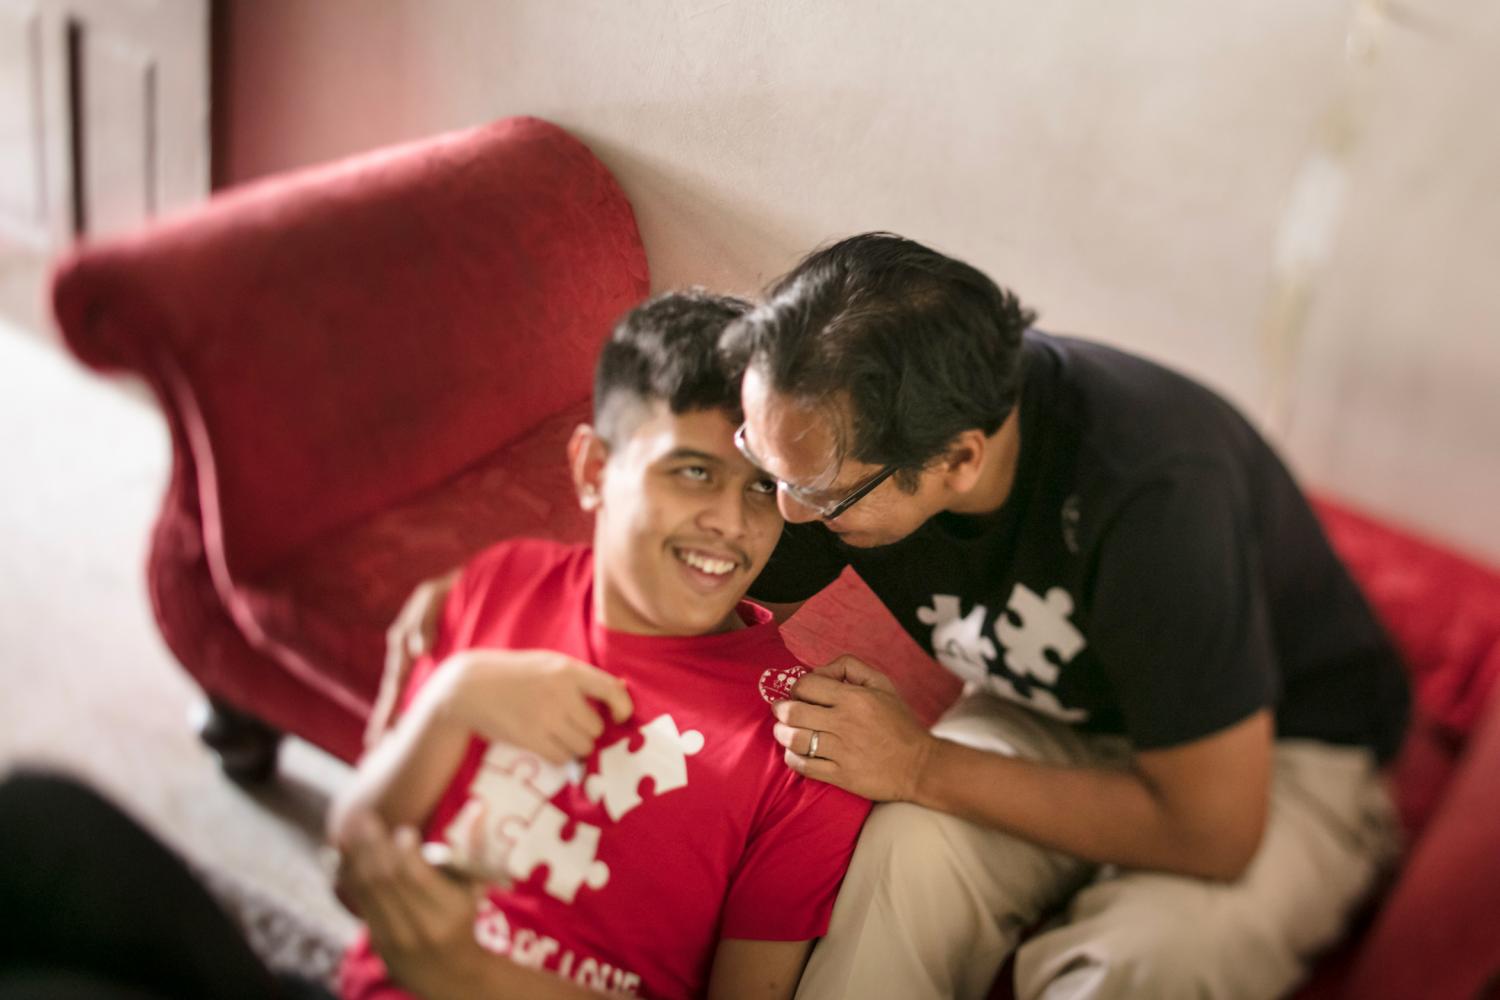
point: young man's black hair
(920, 346)
(665, 349)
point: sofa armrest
(1438, 934)
(337, 340)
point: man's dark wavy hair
(666, 349)
(919, 345)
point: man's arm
(1197, 809)
(757, 970)
(410, 636)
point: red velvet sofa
(369, 370)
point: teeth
(717, 567)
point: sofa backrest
(1441, 608)
(336, 340)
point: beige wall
(1293, 199)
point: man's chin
(862, 540)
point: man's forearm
(402, 777)
(1102, 815)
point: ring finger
(800, 741)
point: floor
(92, 688)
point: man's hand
(421, 922)
(410, 636)
(535, 699)
(869, 743)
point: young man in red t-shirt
(590, 742)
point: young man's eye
(697, 473)
(765, 487)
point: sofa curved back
(333, 341)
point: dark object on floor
(246, 747)
(95, 906)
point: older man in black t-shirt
(1177, 701)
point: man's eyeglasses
(808, 498)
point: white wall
(1130, 169)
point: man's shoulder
(1099, 385)
(1123, 421)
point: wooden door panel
(104, 124)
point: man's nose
(794, 510)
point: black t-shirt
(1155, 571)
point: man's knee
(1170, 941)
(915, 851)
(924, 859)
(900, 837)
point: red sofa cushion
(1443, 612)
(1441, 609)
(328, 608)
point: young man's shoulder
(518, 559)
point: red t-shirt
(683, 826)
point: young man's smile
(707, 569)
(684, 522)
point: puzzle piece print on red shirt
(571, 863)
(662, 757)
(510, 788)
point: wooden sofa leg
(245, 746)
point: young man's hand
(538, 700)
(421, 922)
(411, 635)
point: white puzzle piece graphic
(510, 787)
(571, 863)
(1044, 625)
(959, 642)
(662, 758)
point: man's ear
(964, 459)
(587, 454)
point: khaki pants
(933, 904)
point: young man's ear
(587, 454)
